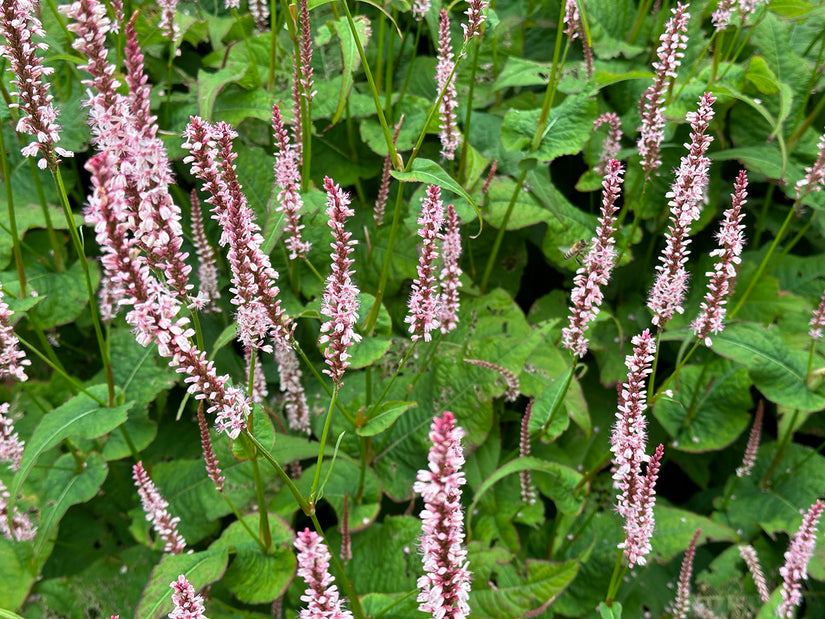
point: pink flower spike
(450, 137)
(722, 15)
(340, 303)
(321, 595)
(259, 9)
(419, 9)
(384, 187)
(136, 78)
(154, 506)
(685, 199)
(815, 175)
(306, 52)
(612, 143)
(38, 116)
(670, 54)
(448, 301)
(749, 459)
(587, 297)
(212, 467)
(288, 178)
(423, 303)
(295, 400)
(12, 359)
(167, 23)
(445, 586)
(21, 529)
(475, 18)
(187, 605)
(751, 559)
(799, 553)
(11, 447)
(512, 393)
(723, 278)
(681, 605)
(208, 292)
(490, 175)
(817, 322)
(528, 491)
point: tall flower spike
(511, 395)
(528, 492)
(686, 195)
(587, 296)
(815, 175)
(448, 302)
(490, 175)
(423, 303)
(681, 605)
(751, 559)
(749, 459)
(346, 538)
(306, 52)
(670, 54)
(384, 187)
(295, 399)
(259, 9)
(136, 78)
(154, 506)
(817, 322)
(21, 529)
(340, 303)
(212, 467)
(799, 553)
(321, 595)
(12, 359)
(628, 443)
(450, 137)
(167, 23)
(208, 292)
(475, 18)
(445, 586)
(11, 447)
(612, 143)
(187, 605)
(723, 278)
(722, 15)
(288, 178)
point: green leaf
(429, 172)
(522, 72)
(548, 407)
(717, 397)
(778, 372)
(384, 416)
(675, 527)
(15, 576)
(384, 557)
(29, 216)
(349, 53)
(610, 612)
(80, 417)
(211, 84)
(761, 76)
(254, 577)
(569, 126)
(199, 568)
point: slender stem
(265, 531)
(273, 46)
(469, 103)
(249, 530)
(324, 434)
(59, 369)
(780, 451)
(281, 473)
(392, 380)
(615, 580)
(550, 92)
(488, 269)
(388, 77)
(763, 215)
(674, 374)
(323, 383)
(644, 9)
(410, 65)
(346, 585)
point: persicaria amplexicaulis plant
(291, 237)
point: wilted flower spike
(749, 459)
(815, 175)
(511, 395)
(340, 303)
(187, 605)
(423, 303)
(448, 302)
(12, 359)
(612, 143)
(445, 586)
(799, 553)
(587, 297)
(22, 528)
(723, 278)
(670, 54)
(154, 506)
(384, 187)
(450, 137)
(11, 447)
(685, 199)
(748, 554)
(681, 605)
(212, 467)
(321, 595)
(528, 492)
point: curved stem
(488, 269)
(324, 434)
(302, 503)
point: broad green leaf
(199, 568)
(526, 211)
(80, 417)
(385, 557)
(383, 417)
(522, 72)
(235, 104)
(675, 527)
(28, 216)
(67, 486)
(761, 76)
(429, 172)
(569, 126)
(254, 577)
(544, 582)
(716, 398)
(548, 408)
(15, 576)
(391, 604)
(778, 372)
(349, 53)
(211, 84)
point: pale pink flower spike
(799, 553)
(12, 359)
(187, 605)
(321, 595)
(154, 506)
(450, 137)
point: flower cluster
(154, 506)
(340, 303)
(259, 9)
(288, 178)
(628, 443)
(685, 199)
(423, 302)
(212, 468)
(295, 399)
(167, 23)
(528, 492)
(419, 9)
(208, 292)
(445, 586)
(11, 447)
(38, 117)
(749, 459)
(681, 605)
(306, 51)
(817, 322)
(21, 528)
(723, 278)
(612, 143)
(187, 605)
(670, 54)
(814, 178)
(445, 80)
(574, 29)
(12, 359)
(448, 302)
(797, 556)
(321, 595)
(751, 559)
(722, 15)
(384, 187)
(475, 18)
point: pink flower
(38, 117)
(11, 447)
(799, 553)
(154, 506)
(259, 9)
(212, 467)
(420, 8)
(136, 79)
(814, 175)
(288, 178)
(445, 586)
(384, 187)
(571, 19)
(295, 400)
(749, 459)
(751, 559)
(670, 54)
(450, 137)
(681, 605)
(12, 359)
(340, 303)
(528, 492)
(167, 23)
(686, 195)
(723, 278)
(187, 605)
(306, 51)
(21, 529)
(448, 302)
(423, 303)
(612, 143)
(208, 292)
(817, 322)
(321, 595)
(722, 15)
(598, 266)
(475, 18)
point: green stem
(488, 269)
(324, 434)
(780, 451)
(346, 585)
(763, 215)
(644, 9)
(615, 580)
(550, 91)
(15, 237)
(59, 369)
(410, 65)
(302, 503)
(388, 77)
(323, 383)
(265, 531)
(673, 375)
(469, 103)
(243, 523)
(273, 46)
(392, 380)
